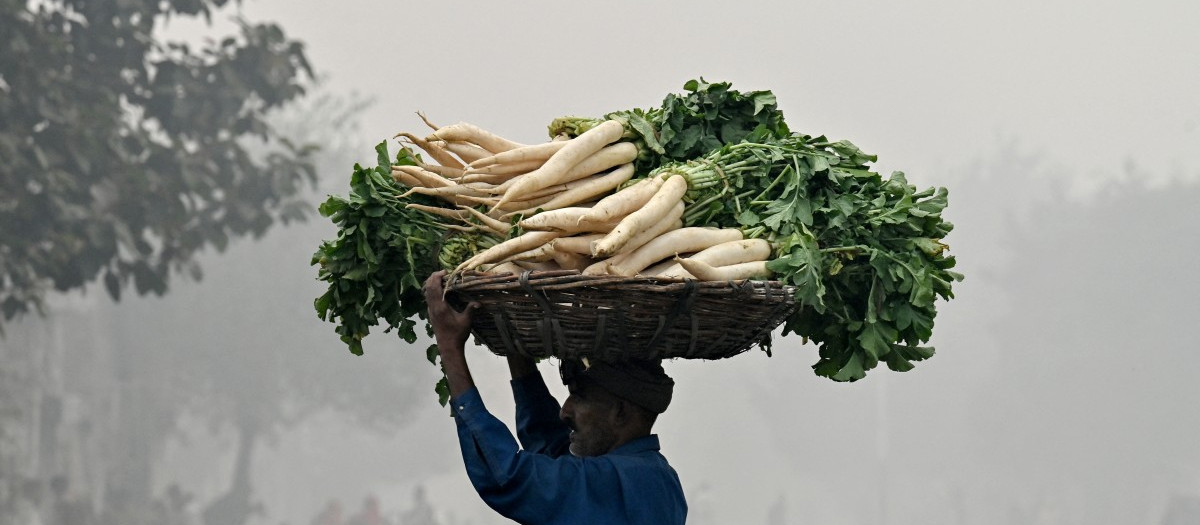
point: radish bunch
(566, 198)
(711, 185)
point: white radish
(425, 119)
(467, 132)
(504, 267)
(503, 250)
(514, 208)
(542, 253)
(546, 266)
(586, 189)
(434, 150)
(443, 212)
(672, 221)
(571, 260)
(724, 254)
(625, 201)
(683, 240)
(445, 192)
(560, 164)
(607, 158)
(539, 152)
(663, 201)
(405, 179)
(614, 155)
(735, 272)
(493, 179)
(508, 168)
(428, 179)
(597, 268)
(446, 171)
(656, 269)
(581, 244)
(466, 152)
(552, 219)
(495, 225)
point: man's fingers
(433, 286)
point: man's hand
(451, 328)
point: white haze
(1064, 386)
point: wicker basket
(567, 315)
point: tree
(125, 155)
(244, 351)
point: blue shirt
(544, 484)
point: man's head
(612, 403)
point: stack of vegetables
(711, 185)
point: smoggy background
(1064, 388)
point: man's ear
(622, 412)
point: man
(592, 461)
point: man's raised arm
(538, 425)
(451, 328)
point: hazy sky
(926, 85)
(949, 92)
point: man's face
(591, 413)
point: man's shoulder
(643, 455)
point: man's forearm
(454, 364)
(520, 366)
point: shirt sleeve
(525, 487)
(539, 428)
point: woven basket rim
(562, 313)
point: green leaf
(443, 390)
(853, 370)
(748, 218)
(381, 154)
(876, 338)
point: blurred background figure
(369, 515)
(66, 508)
(331, 514)
(421, 512)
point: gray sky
(952, 93)
(926, 85)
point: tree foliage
(124, 154)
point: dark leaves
(380, 258)
(863, 251)
(125, 156)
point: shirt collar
(637, 446)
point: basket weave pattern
(567, 315)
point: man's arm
(451, 328)
(538, 425)
(529, 488)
